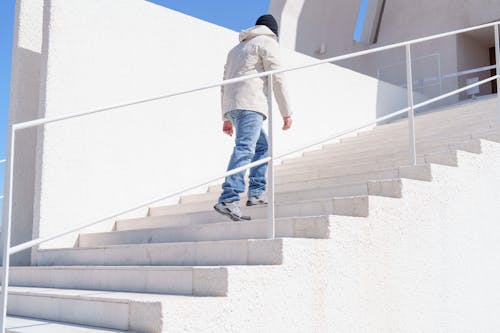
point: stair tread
(31, 325)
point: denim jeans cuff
(255, 194)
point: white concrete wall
(24, 105)
(95, 166)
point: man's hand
(287, 123)
(227, 127)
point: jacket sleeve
(224, 77)
(271, 59)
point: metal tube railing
(271, 231)
(2, 161)
(497, 61)
(6, 227)
(411, 112)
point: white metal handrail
(1, 162)
(6, 227)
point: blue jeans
(251, 146)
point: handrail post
(271, 231)
(6, 231)
(411, 112)
(497, 58)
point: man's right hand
(227, 127)
(287, 123)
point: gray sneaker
(231, 210)
(256, 200)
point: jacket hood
(258, 30)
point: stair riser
(398, 146)
(447, 121)
(104, 314)
(283, 197)
(422, 132)
(446, 157)
(380, 154)
(306, 194)
(310, 208)
(420, 174)
(322, 170)
(373, 142)
(309, 184)
(313, 227)
(247, 252)
(441, 155)
(175, 281)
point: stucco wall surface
(24, 105)
(99, 53)
(426, 262)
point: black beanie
(269, 21)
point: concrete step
(31, 325)
(173, 280)
(351, 206)
(331, 170)
(429, 128)
(356, 159)
(299, 227)
(419, 172)
(459, 134)
(213, 253)
(472, 146)
(389, 173)
(118, 311)
(453, 113)
(209, 197)
(447, 157)
(423, 145)
(391, 188)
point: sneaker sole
(231, 215)
(249, 204)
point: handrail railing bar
(342, 133)
(385, 48)
(451, 75)
(411, 104)
(413, 60)
(497, 62)
(26, 245)
(470, 71)
(37, 122)
(271, 211)
(438, 98)
(3, 161)
(6, 235)
(34, 242)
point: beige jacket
(257, 52)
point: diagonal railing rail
(410, 110)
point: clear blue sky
(232, 14)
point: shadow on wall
(24, 106)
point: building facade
(327, 28)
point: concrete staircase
(340, 209)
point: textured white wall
(100, 53)
(24, 105)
